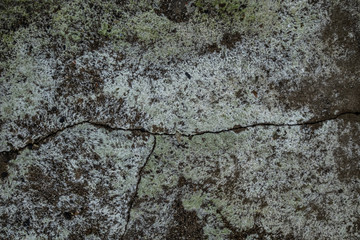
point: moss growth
(149, 27)
(81, 22)
(20, 13)
(194, 201)
(79, 26)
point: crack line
(238, 128)
(142, 130)
(132, 200)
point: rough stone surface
(77, 183)
(287, 183)
(164, 119)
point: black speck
(142, 130)
(53, 110)
(67, 215)
(340, 191)
(30, 146)
(62, 119)
(242, 6)
(26, 223)
(4, 175)
(188, 75)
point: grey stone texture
(164, 119)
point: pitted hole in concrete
(62, 119)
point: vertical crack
(132, 200)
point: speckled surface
(286, 183)
(164, 119)
(77, 183)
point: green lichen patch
(20, 13)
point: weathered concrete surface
(254, 107)
(287, 183)
(77, 183)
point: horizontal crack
(238, 128)
(144, 131)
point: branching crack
(144, 131)
(132, 200)
(154, 134)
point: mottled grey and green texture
(165, 119)
(77, 183)
(263, 182)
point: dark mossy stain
(337, 34)
(158, 129)
(257, 231)
(186, 224)
(175, 10)
(211, 48)
(347, 165)
(15, 14)
(182, 181)
(5, 158)
(230, 39)
(226, 11)
(79, 80)
(339, 92)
